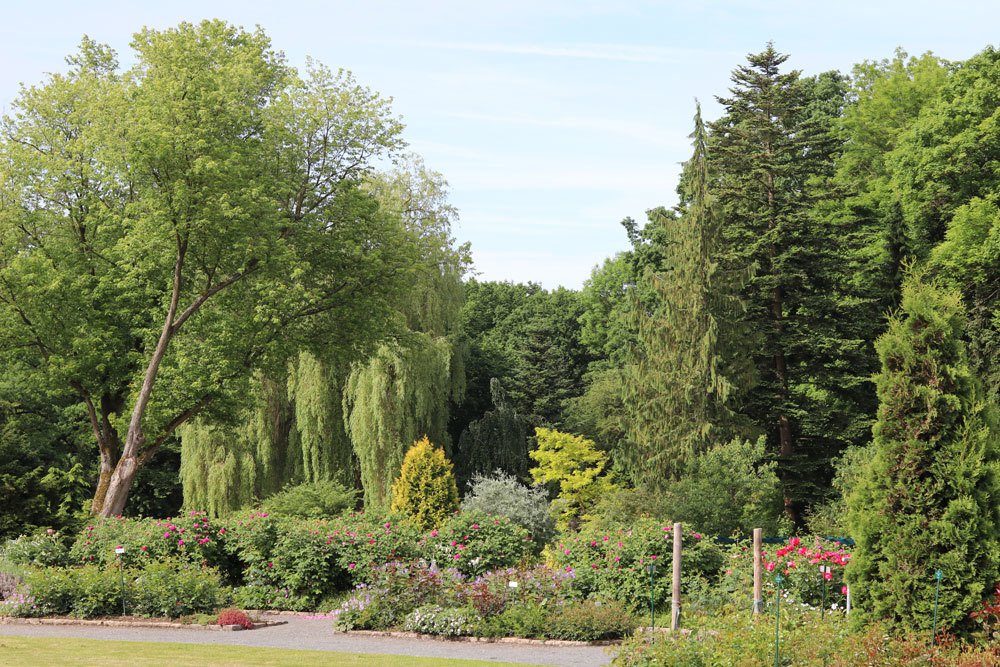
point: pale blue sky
(551, 120)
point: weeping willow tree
(398, 396)
(316, 389)
(339, 409)
(224, 467)
(403, 391)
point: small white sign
(824, 568)
(119, 550)
(512, 584)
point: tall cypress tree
(928, 498)
(678, 386)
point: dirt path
(318, 635)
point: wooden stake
(758, 571)
(675, 591)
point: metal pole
(758, 571)
(939, 575)
(652, 613)
(675, 589)
(777, 622)
(121, 570)
(823, 569)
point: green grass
(16, 651)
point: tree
(927, 499)
(731, 487)
(770, 153)
(497, 441)
(678, 385)
(576, 467)
(406, 387)
(426, 489)
(151, 266)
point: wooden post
(758, 571)
(675, 590)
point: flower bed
(537, 602)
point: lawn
(15, 651)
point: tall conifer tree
(678, 386)
(927, 499)
(769, 149)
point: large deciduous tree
(168, 229)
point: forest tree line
(314, 316)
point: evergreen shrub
(425, 489)
(927, 500)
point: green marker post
(777, 621)
(651, 568)
(938, 575)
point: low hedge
(166, 589)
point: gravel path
(317, 635)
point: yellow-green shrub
(425, 489)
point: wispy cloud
(635, 53)
(642, 131)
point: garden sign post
(675, 589)
(777, 621)
(758, 571)
(119, 551)
(938, 575)
(651, 568)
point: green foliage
(45, 548)
(612, 564)
(162, 589)
(804, 331)
(399, 393)
(425, 489)
(316, 500)
(731, 487)
(591, 620)
(678, 381)
(576, 467)
(316, 390)
(437, 620)
(474, 542)
(496, 442)
(503, 495)
(927, 499)
(735, 638)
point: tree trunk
(119, 486)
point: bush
(475, 542)
(437, 620)
(577, 467)
(729, 488)
(612, 565)
(520, 619)
(193, 538)
(591, 620)
(44, 548)
(927, 500)
(425, 489)
(160, 590)
(315, 500)
(502, 495)
(173, 589)
(235, 617)
(396, 590)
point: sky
(551, 120)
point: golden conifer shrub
(425, 489)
